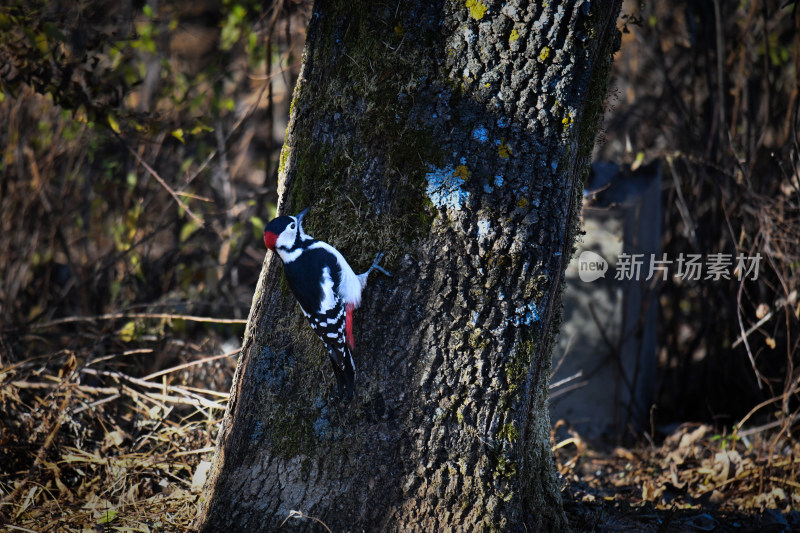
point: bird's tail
(344, 368)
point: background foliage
(139, 161)
(712, 89)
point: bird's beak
(301, 214)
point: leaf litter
(697, 479)
(93, 449)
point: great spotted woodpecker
(326, 288)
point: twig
(717, 486)
(189, 364)
(768, 425)
(576, 375)
(17, 528)
(224, 395)
(756, 409)
(119, 316)
(160, 180)
(82, 388)
(780, 302)
(233, 130)
(795, 485)
(113, 355)
(199, 450)
(683, 207)
(563, 357)
(301, 515)
(176, 478)
(759, 377)
(574, 386)
(720, 45)
(96, 403)
(188, 400)
(570, 440)
(139, 399)
(197, 400)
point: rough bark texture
(454, 137)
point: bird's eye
(291, 226)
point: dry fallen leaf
(717, 497)
(722, 467)
(114, 438)
(673, 473)
(200, 475)
(689, 439)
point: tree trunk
(454, 137)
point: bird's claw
(375, 265)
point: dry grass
(87, 447)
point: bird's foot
(375, 265)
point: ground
(87, 447)
(696, 480)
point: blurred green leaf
(128, 332)
(186, 163)
(272, 210)
(136, 264)
(188, 229)
(112, 121)
(258, 226)
(53, 32)
(108, 516)
(115, 289)
(232, 29)
(200, 127)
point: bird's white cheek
(285, 239)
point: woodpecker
(326, 288)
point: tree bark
(455, 137)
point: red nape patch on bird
(348, 326)
(269, 239)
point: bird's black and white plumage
(326, 288)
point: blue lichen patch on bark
(445, 187)
(480, 133)
(257, 432)
(484, 229)
(273, 370)
(322, 428)
(525, 315)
